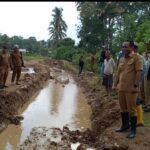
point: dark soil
(105, 113)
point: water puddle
(29, 70)
(56, 105)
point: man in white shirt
(109, 65)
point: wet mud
(105, 117)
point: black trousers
(80, 69)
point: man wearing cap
(16, 64)
(4, 67)
(147, 79)
(127, 82)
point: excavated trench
(60, 103)
(61, 117)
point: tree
(67, 42)
(109, 23)
(97, 22)
(57, 28)
(143, 34)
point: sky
(28, 19)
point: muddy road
(61, 111)
(58, 104)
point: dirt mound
(14, 97)
(12, 100)
(106, 118)
(105, 110)
(105, 114)
(57, 139)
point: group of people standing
(132, 82)
(13, 61)
(131, 72)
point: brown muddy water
(56, 105)
(29, 70)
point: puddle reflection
(54, 106)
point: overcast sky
(32, 18)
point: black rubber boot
(132, 133)
(125, 122)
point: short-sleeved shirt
(16, 59)
(4, 60)
(127, 72)
(109, 66)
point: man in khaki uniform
(4, 67)
(16, 64)
(127, 82)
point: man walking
(16, 64)
(81, 64)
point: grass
(147, 119)
(68, 66)
(28, 57)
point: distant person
(109, 66)
(16, 64)
(93, 62)
(4, 67)
(81, 65)
(102, 58)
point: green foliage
(45, 52)
(31, 44)
(64, 52)
(143, 34)
(147, 119)
(28, 57)
(68, 66)
(67, 42)
(111, 23)
(57, 28)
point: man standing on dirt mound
(4, 67)
(16, 64)
(127, 81)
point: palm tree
(57, 28)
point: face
(126, 48)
